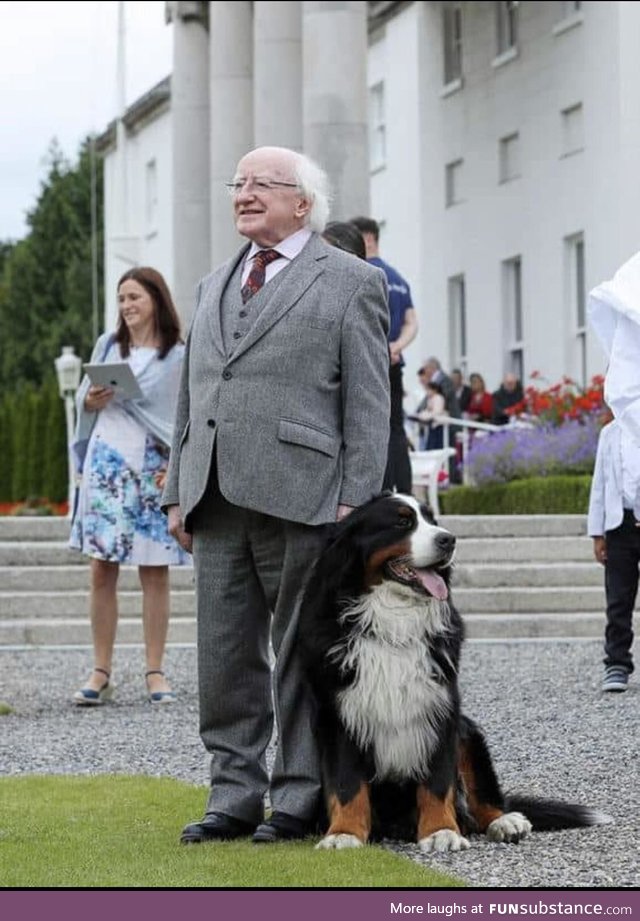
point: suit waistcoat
(236, 318)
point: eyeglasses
(259, 184)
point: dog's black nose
(445, 542)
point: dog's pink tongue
(433, 583)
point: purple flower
(517, 453)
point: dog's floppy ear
(341, 563)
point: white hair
(314, 184)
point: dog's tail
(550, 815)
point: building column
(230, 112)
(277, 59)
(334, 43)
(190, 146)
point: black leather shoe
(215, 826)
(281, 827)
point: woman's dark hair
(345, 236)
(166, 315)
(436, 387)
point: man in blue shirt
(403, 328)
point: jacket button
(242, 313)
(237, 335)
(227, 375)
(211, 423)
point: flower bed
(543, 450)
(40, 507)
(556, 432)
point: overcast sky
(58, 79)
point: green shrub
(553, 495)
(33, 444)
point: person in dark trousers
(461, 390)
(616, 544)
(403, 328)
(281, 429)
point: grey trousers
(249, 571)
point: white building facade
(496, 143)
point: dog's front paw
(443, 840)
(338, 842)
(511, 827)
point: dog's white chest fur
(397, 699)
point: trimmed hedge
(33, 444)
(553, 495)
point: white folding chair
(425, 471)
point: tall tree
(45, 281)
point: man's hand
(600, 549)
(343, 511)
(395, 352)
(97, 398)
(176, 528)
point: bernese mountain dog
(381, 640)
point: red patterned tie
(257, 274)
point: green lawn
(115, 831)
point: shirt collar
(288, 248)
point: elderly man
(281, 428)
(508, 394)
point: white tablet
(117, 376)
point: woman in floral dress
(122, 452)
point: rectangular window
(457, 323)
(506, 25)
(513, 316)
(572, 129)
(509, 157)
(452, 38)
(453, 182)
(151, 195)
(377, 127)
(577, 306)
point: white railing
(462, 437)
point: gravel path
(551, 731)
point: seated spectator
(433, 406)
(480, 408)
(508, 394)
(462, 390)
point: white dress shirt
(616, 480)
(288, 248)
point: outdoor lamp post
(68, 368)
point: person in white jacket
(612, 524)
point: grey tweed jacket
(299, 414)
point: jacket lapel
(301, 274)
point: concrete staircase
(516, 576)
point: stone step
(33, 527)
(550, 625)
(71, 603)
(541, 574)
(38, 553)
(74, 578)
(54, 605)
(531, 600)
(465, 575)
(182, 630)
(508, 550)
(42, 528)
(515, 525)
(73, 631)
(470, 549)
